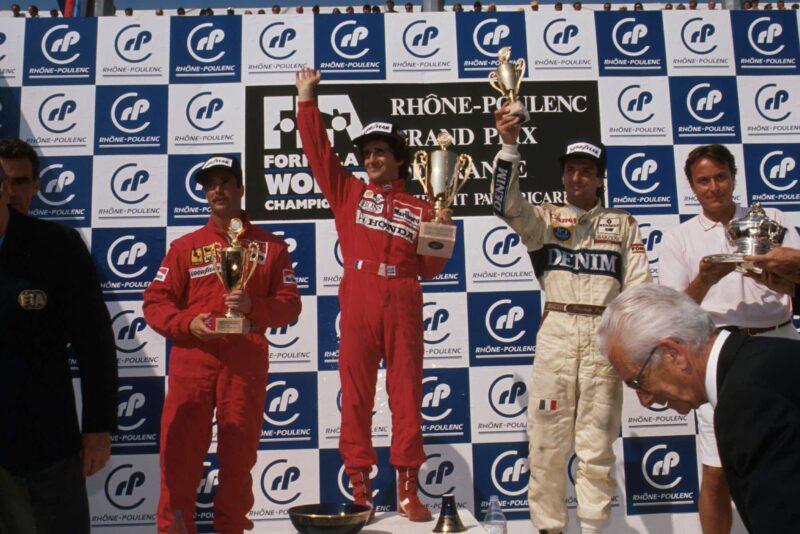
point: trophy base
(231, 325)
(436, 239)
(738, 259)
(518, 108)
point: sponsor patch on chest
(390, 227)
(200, 272)
(406, 214)
(372, 202)
(608, 230)
(203, 255)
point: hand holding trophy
(442, 175)
(752, 235)
(234, 266)
(507, 80)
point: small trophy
(754, 234)
(507, 79)
(441, 175)
(234, 266)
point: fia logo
(55, 179)
(201, 111)
(702, 101)
(57, 44)
(434, 318)
(508, 396)
(126, 184)
(770, 100)
(274, 41)
(124, 487)
(419, 39)
(696, 36)
(559, 36)
(509, 473)
(123, 255)
(628, 37)
(775, 170)
(633, 104)
(126, 331)
(278, 412)
(433, 395)
(497, 247)
(503, 319)
(129, 44)
(346, 39)
(658, 466)
(56, 112)
(282, 337)
(437, 478)
(128, 409)
(763, 36)
(277, 482)
(208, 485)
(638, 169)
(488, 36)
(202, 41)
(651, 236)
(128, 113)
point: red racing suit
(380, 299)
(229, 373)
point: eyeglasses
(636, 381)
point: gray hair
(644, 314)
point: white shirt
(734, 300)
(711, 367)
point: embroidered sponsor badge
(204, 254)
(637, 248)
(609, 230)
(199, 272)
(372, 202)
(161, 275)
(407, 214)
(288, 277)
(562, 233)
(32, 299)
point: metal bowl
(329, 518)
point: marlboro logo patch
(548, 405)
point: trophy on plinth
(752, 235)
(506, 79)
(234, 265)
(442, 174)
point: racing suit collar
(398, 185)
(580, 212)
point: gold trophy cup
(234, 265)
(507, 79)
(441, 174)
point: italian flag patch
(548, 405)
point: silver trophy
(442, 174)
(234, 265)
(754, 234)
(507, 80)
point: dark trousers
(46, 500)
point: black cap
(585, 148)
(382, 129)
(220, 162)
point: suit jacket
(757, 422)
(50, 296)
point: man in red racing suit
(380, 296)
(209, 370)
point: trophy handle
(495, 84)
(217, 263)
(519, 67)
(419, 164)
(251, 263)
(462, 171)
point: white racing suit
(582, 259)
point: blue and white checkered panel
(124, 110)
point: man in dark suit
(50, 297)
(666, 348)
